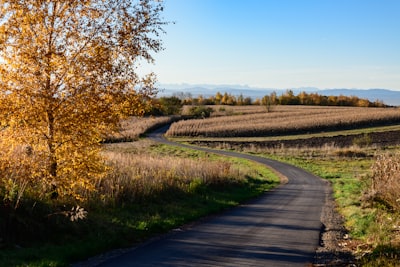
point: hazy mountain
(389, 97)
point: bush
(362, 140)
(200, 111)
(385, 186)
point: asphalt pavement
(280, 228)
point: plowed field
(387, 138)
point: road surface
(281, 228)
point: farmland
(356, 149)
(146, 177)
(284, 120)
(134, 127)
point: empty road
(280, 228)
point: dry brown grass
(138, 176)
(285, 119)
(15, 179)
(385, 186)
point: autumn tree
(170, 105)
(266, 101)
(218, 97)
(68, 74)
(240, 100)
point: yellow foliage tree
(68, 74)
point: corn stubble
(286, 119)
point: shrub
(363, 140)
(200, 111)
(385, 184)
(170, 105)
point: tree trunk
(52, 167)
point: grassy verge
(374, 229)
(129, 221)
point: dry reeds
(385, 186)
(137, 177)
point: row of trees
(303, 98)
(287, 98)
(172, 105)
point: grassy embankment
(373, 223)
(153, 189)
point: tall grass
(385, 181)
(148, 190)
(140, 177)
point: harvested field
(224, 110)
(133, 127)
(284, 120)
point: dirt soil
(335, 247)
(378, 138)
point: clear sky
(281, 43)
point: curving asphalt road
(281, 228)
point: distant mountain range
(387, 96)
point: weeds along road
(281, 228)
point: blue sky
(281, 43)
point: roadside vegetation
(149, 190)
(365, 185)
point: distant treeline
(287, 98)
(172, 105)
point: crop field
(133, 127)
(224, 110)
(285, 120)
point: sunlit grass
(189, 185)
